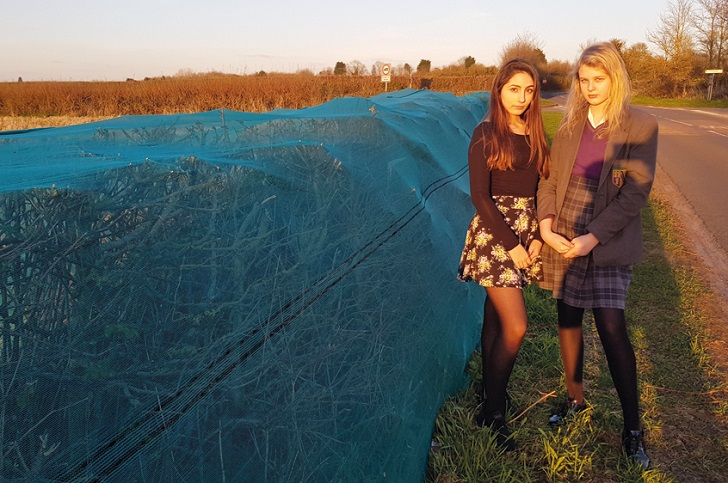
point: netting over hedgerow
(227, 296)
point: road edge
(710, 264)
(700, 241)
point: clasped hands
(576, 247)
(524, 258)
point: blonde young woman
(603, 165)
(508, 153)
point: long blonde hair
(499, 147)
(603, 56)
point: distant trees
(402, 69)
(377, 68)
(340, 68)
(674, 39)
(557, 74)
(692, 36)
(357, 68)
(525, 46)
(643, 68)
(353, 68)
(711, 31)
(186, 72)
(673, 36)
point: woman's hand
(520, 257)
(554, 240)
(534, 249)
(557, 242)
(582, 246)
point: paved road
(693, 152)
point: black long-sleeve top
(521, 181)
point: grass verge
(683, 395)
(653, 101)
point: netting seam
(169, 411)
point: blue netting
(254, 297)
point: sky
(84, 40)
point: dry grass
(16, 123)
(205, 92)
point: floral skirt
(486, 261)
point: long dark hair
(499, 147)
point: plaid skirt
(486, 261)
(578, 281)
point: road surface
(693, 151)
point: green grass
(551, 122)
(683, 399)
(653, 101)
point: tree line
(690, 38)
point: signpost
(386, 76)
(712, 73)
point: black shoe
(497, 424)
(510, 408)
(566, 411)
(634, 447)
(480, 416)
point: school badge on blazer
(618, 175)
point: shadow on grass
(686, 427)
(686, 430)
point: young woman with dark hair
(508, 154)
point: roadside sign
(711, 77)
(386, 73)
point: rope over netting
(236, 296)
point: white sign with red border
(386, 73)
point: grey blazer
(624, 186)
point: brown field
(16, 123)
(199, 93)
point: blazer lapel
(571, 147)
(615, 143)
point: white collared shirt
(590, 116)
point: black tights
(612, 328)
(504, 327)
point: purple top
(590, 157)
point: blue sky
(115, 40)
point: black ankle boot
(511, 409)
(634, 447)
(497, 424)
